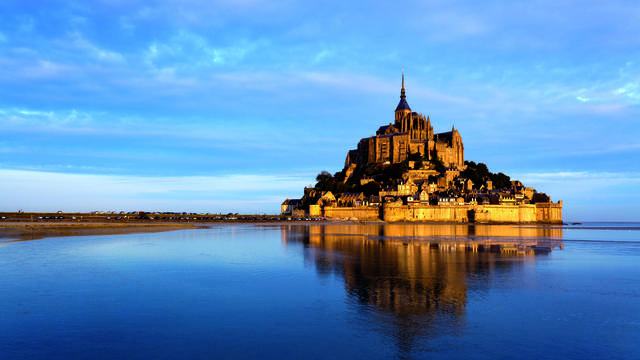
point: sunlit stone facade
(410, 133)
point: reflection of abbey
(406, 172)
(418, 271)
(410, 133)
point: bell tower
(403, 111)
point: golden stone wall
(393, 212)
(351, 213)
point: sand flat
(33, 231)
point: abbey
(406, 172)
(410, 133)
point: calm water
(326, 291)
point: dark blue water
(326, 291)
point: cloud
(589, 195)
(44, 69)
(78, 41)
(592, 184)
(629, 90)
(368, 83)
(607, 149)
(208, 130)
(581, 175)
(190, 50)
(453, 24)
(198, 13)
(46, 191)
(27, 117)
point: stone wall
(505, 213)
(393, 212)
(352, 213)
(314, 210)
(551, 213)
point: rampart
(352, 213)
(550, 213)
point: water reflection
(418, 277)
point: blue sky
(235, 105)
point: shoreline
(27, 230)
(40, 230)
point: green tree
(371, 188)
(540, 198)
(471, 174)
(325, 181)
(392, 173)
(438, 164)
(482, 170)
(500, 180)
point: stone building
(289, 205)
(410, 133)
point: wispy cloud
(630, 90)
(79, 42)
(27, 117)
(607, 149)
(44, 69)
(368, 83)
(586, 194)
(453, 24)
(577, 185)
(189, 50)
(33, 190)
(583, 175)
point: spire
(402, 94)
(402, 105)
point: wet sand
(34, 231)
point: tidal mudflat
(321, 291)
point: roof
(403, 105)
(445, 137)
(352, 196)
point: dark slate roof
(403, 105)
(445, 136)
(351, 196)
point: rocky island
(406, 172)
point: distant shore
(39, 230)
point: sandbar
(35, 231)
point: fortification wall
(538, 213)
(392, 212)
(350, 213)
(505, 213)
(549, 213)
